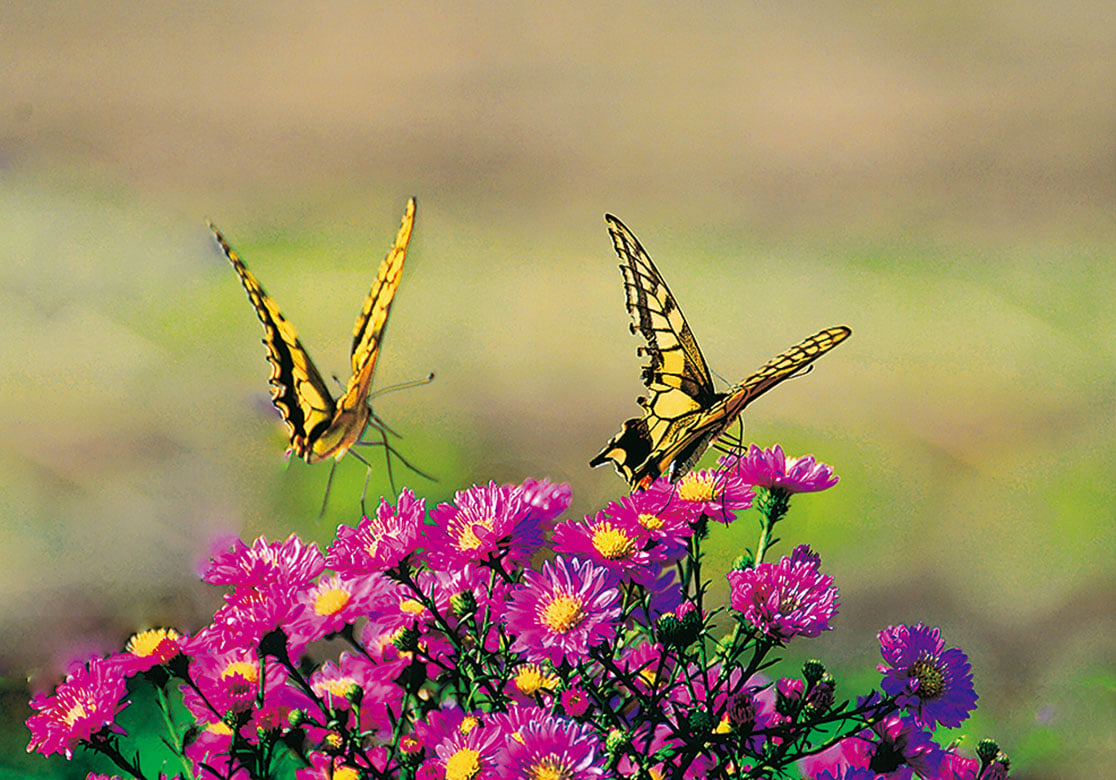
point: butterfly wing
(676, 375)
(297, 389)
(677, 455)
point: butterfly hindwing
(683, 413)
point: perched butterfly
(319, 426)
(684, 414)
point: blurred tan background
(941, 177)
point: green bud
(743, 562)
(699, 722)
(406, 639)
(296, 718)
(813, 670)
(463, 604)
(354, 694)
(616, 741)
(987, 750)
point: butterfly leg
(329, 485)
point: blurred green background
(941, 177)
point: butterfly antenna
(403, 386)
(329, 485)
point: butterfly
(319, 426)
(684, 414)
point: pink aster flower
(933, 684)
(333, 603)
(547, 499)
(229, 681)
(772, 469)
(612, 542)
(664, 525)
(251, 613)
(290, 562)
(711, 493)
(463, 747)
(553, 747)
(81, 708)
(483, 523)
(379, 542)
(147, 649)
(558, 614)
(379, 695)
(785, 599)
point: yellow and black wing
(683, 413)
(320, 427)
(297, 389)
(368, 332)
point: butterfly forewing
(369, 328)
(683, 414)
(297, 389)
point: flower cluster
(447, 644)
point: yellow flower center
(549, 768)
(562, 614)
(463, 765)
(697, 487)
(931, 683)
(345, 773)
(243, 669)
(466, 538)
(78, 711)
(412, 606)
(650, 521)
(530, 679)
(336, 687)
(145, 643)
(331, 601)
(468, 723)
(611, 542)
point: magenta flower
(933, 684)
(81, 707)
(462, 746)
(560, 613)
(786, 599)
(251, 613)
(379, 542)
(483, 523)
(613, 543)
(229, 681)
(895, 747)
(551, 747)
(772, 469)
(380, 697)
(717, 495)
(290, 562)
(147, 649)
(546, 499)
(663, 522)
(333, 603)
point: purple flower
(379, 542)
(147, 649)
(894, 747)
(613, 543)
(558, 614)
(772, 469)
(662, 522)
(484, 522)
(933, 684)
(715, 494)
(786, 599)
(333, 603)
(85, 704)
(290, 562)
(552, 747)
(546, 499)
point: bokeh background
(939, 176)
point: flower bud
(698, 722)
(743, 562)
(616, 741)
(411, 751)
(354, 694)
(297, 717)
(813, 670)
(406, 639)
(987, 750)
(463, 604)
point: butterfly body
(319, 426)
(683, 413)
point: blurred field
(940, 177)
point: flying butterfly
(684, 414)
(319, 426)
